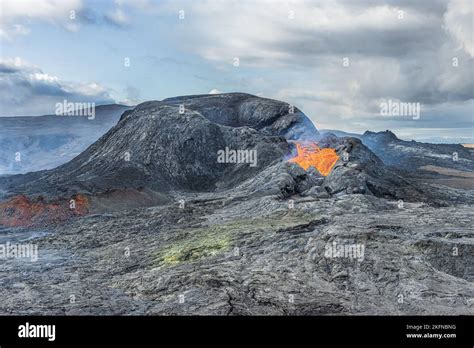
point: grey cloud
(408, 59)
(423, 6)
(397, 43)
(4, 69)
(27, 91)
(88, 16)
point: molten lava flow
(311, 155)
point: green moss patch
(217, 239)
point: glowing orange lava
(311, 155)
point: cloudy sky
(336, 60)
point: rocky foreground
(259, 256)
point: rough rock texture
(222, 255)
(412, 155)
(363, 172)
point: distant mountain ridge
(411, 155)
(32, 143)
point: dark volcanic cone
(174, 145)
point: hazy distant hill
(43, 142)
(411, 155)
